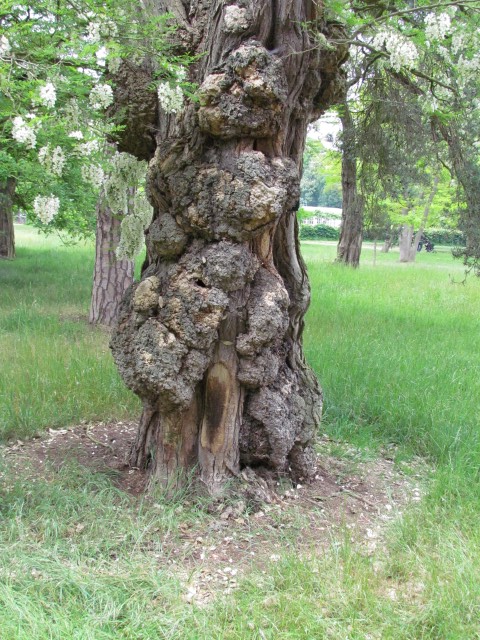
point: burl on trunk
(211, 338)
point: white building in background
(330, 216)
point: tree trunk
(111, 277)
(211, 338)
(7, 231)
(423, 223)
(405, 239)
(351, 230)
(387, 244)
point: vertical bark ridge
(111, 277)
(211, 339)
(7, 231)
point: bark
(7, 232)
(111, 276)
(405, 242)
(351, 230)
(211, 338)
(387, 244)
(423, 223)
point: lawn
(396, 348)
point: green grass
(59, 368)
(396, 348)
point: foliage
(318, 232)
(321, 182)
(58, 63)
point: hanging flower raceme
(170, 98)
(48, 95)
(101, 96)
(24, 133)
(46, 208)
(437, 26)
(53, 161)
(133, 228)
(93, 174)
(5, 47)
(402, 52)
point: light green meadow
(396, 348)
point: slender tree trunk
(423, 223)
(7, 232)
(405, 239)
(351, 230)
(111, 277)
(211, 338)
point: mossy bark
(211, 338)
(7, 231)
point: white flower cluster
(458, 41)
(97, 30)
(114, 64)
(87, 148)
(93, 174)
(403, 53)
(101, 96)
(469, 67)
(46, 208)
(76, 135)
(170, 98)
(53, 161)
(126, 172)
(437, 26)
(5, 47)
(48, 95)
(101, 55)
(23, 133)
(133, 228)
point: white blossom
(101, 96)
(457, 42)
(46, 208)
(5, 47)
(93, 174)
(93, 32)
(101, 55)
(53, 161)
(437, 26)
(170, 98)
(23, 133)
(76, 135)
(48, 95)
(402, 51)
(88, 148)
(132, 238)
(125, 172)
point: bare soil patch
(350, 495)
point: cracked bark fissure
(211, 338)
(111, 276)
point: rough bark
(111, 276)
(351, 230)
(7, 232)
(387, 244)
(211, 338)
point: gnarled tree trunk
(424, 220)
(351, 230)
(111, 276)
(7, 232)
(211, 338)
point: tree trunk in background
(387, 245)
(7, 231)
(423, 223)
(211, 338)
(111, 277)
(405, 242)
(351, 230)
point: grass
(396, 348)
(59, 368)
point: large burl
(210, 339)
